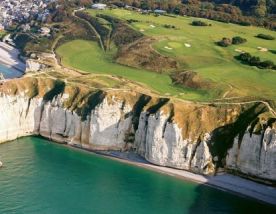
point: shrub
(245, 57)
(225, 42)
(238, 40)
(265, 36)
(254, 61)
(132, 20)
(200, 23)
(266, 64)
(169, 26)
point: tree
(225, 42)
(199, 23)
(238, 40)
(265, 36)
(266, 64)
(260, 10)
(254, 61)
(245, 57)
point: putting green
(175, 45)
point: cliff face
(188, 136)
(254, 155)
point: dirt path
(93, 29)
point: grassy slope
(88, 56)
(204, 56)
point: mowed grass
(88, 56)
(204, 56)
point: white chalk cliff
(255, 154)
(174, 134)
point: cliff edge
(240, 137)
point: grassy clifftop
(184, 46)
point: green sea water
(42, 177)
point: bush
(169, 26)
(225, 42)
(265, 36)
(245, 57)
(254, 61)
(200, 23)
(132, 21)
(266, 64)
(238, 40)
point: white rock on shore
(9, 57)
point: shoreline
(232, 184)
(9, 58)
(226, 182)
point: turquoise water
(41, 177)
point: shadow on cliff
(223, 137)
(211, 200)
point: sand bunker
(239, 50)
(262, 49)
(187, 45)
(168, 48)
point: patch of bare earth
(140, 54)
(191, 79)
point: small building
(99, 6)
(157, 11)
(45, 31)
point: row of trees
(248, 59)
(259, 8)
(225, 11)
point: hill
(191, 47)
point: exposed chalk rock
(166, 133)
(161, 142)
(33, 66)
(255, 155)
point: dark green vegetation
(237, 40)
(246, 58)
(243, 12)
(200, 23)
(266, 37)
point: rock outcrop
(189, 136)
(33, 66)
(254, 154)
